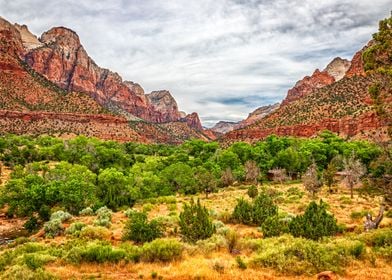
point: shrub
(232, 240)
(37, 260)
(256, 213)
(243, 212)
(314, 223)
(75, 228)
(162, 250)
(61, 215)
(53, 227)
(252, 191)
(22, 272)
(274, 226)
(104, 217)
(95, 252)
(94, 232)
(138, 228)
(86, 212)
(195, 222)
(241, 264)
(291, 255)
(263, 207)
(31, 224)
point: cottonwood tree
(279, 175)
(311, 180)
(227, 177)
(353, 170)
(329, 175)
(252, 171)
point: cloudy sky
(220, 58)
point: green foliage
(163, 250)
(104, 217)
(254, 213)
(274, 226)
(95, 253)
(243, 212)
(31, 224)
(113, 189)
(240, 263)
(291, 255)
(195, 222)
(53, 228)
(61, 215)
(86, 212)
(314, 223)
(94, 232)
(75, 229)
(263, 207)
(140, 230)
(252, 191)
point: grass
(233, 249)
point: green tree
(113, 188)
(140, 230)
(315, 223)
(195, 222)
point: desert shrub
(128, 213)
(232, 239)
(380, 240)
(53, 228)
(86, 212)
(61, 215)
(388, 214)
(104, 217)
(37, 260)
(163, 250)
(22, 272)
(252, 191)
(140, 230)
(315, 223)
(195, 222)
(31, 224)
(243, 212)
(214, 243)
(294, 191)
(134, 253)
(274, 226)
(95, 252)
(291, 255)
(94, 232)
(240, 263)
(75, 228)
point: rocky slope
(53, 76)
(336, 99)
(223, 127)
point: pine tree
(195, 222)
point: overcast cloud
(220, 58)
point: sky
(220, 58)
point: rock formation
(223, 127)
(164, 103)
(50, 85)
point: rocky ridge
(54, 75)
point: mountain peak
(337, 68)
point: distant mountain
(51, 85)
(337, 98)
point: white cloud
(210, 53)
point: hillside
(337, 98)
(51, 86)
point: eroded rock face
(193, 121)
(337, 68)
(305, 86)
(29, 40)
(356, 68)
(258, 114)
(224, 127)
(164, 102)
(63, 60)
(10, 39)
